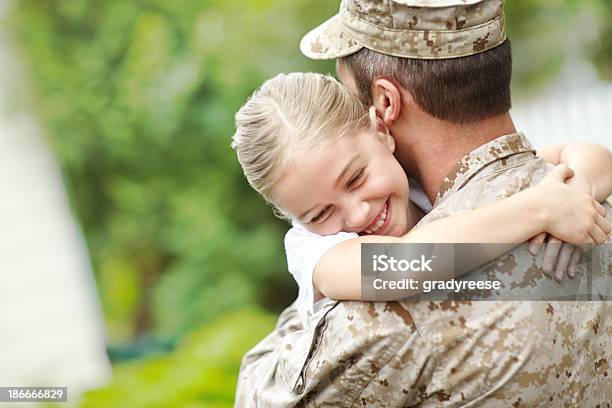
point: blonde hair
(287, 114)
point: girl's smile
(353, 184)
(380, 223)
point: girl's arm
(591, 161)
(545, 207)
(593, 167)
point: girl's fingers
(588, 244)
(561, 172)
(573, 263)
(598, 236)
(563, 261)
(603, 224)
(600, 208)
(535, 243)
(550, 256)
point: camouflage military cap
(423, 29)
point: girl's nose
(357, 215)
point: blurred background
(136, 265)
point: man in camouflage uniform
(446, 353)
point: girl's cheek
(381, 185)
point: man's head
(452, 56)
(458, 90)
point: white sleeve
(304, 251)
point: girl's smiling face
(354, 184)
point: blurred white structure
(570, 111)
(51, 326)
(573, 113)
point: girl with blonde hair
(326, 164)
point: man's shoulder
(518, 270)
(487, 187)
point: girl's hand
(560, 257)
(570, 216)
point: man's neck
(430, 148)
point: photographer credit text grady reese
(384, 263)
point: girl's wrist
(539, 209)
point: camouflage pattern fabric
(452, 353)
(423, 29)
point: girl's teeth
(379, 222)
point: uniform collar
(493, 155)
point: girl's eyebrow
(346, 168)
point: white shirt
(305, 249)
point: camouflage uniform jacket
(446, 353)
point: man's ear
(382, 131)
(376, 122)
(387, 99)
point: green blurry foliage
(201, 372)
(547, 33)
(138, 101)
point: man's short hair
(458, 90)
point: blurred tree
(138, 100)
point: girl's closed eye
(357, 177)
(321, 216)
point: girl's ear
(380, 128)
(389, 141)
